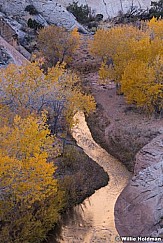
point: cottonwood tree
(113, 46)
(26, 90)
(30, 199)
(155, 27)
(57, 45)
(142, 84)
(130, 48)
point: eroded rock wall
(139, 208)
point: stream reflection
(93, 220)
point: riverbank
(136, 140)
(120, 128)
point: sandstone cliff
(139, 208)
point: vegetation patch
(132, 57)
(31, 10)
(85, 15)
(33, 24)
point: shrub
(33, 24)
(99, 17)
(82, 13)
(156, 9)
(31, 10)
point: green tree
(156, 9)
(82, 13)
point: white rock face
(110, 7)
(16, 56)
(54, 11)
(150, 154)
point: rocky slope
(16, 56)
(139, 208)
(51, 12)
(120, 128)
(55, 12)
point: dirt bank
(120, 128)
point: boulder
(139, 209)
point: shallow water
(93, 220)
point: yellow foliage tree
(114, 46)
(58, 45)
(127, 47)
(104, 73)
(24, 88)
(107, 43)
(27, 90)
(142, 84)
(155, 28)
(69, 90)
(30, 198)
(28, 190)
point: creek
(93, 220)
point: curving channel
(94, 218)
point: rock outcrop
(139, 208)
(149, 155)
(54, 11)
(15, 55)
(50, 11)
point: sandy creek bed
(93, 220)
